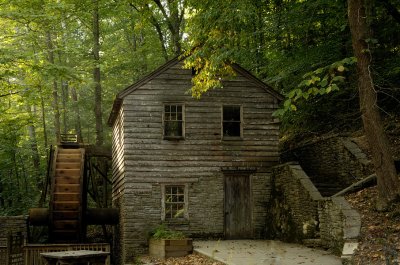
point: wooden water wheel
(67, 215)
(66, 205)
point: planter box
(164, 248)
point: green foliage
(218, 34)
(162, 232)
(295, 46)
(319, 82)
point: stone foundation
(10, 225)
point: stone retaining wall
(297, 212)
(13, 225)
(331, 161)
(293, 208)
(339, 223)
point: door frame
(239, 173)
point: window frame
(238, 137)
(185, 206)
(169, 137)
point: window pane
(231, 121)
(231, 113)
(174, 202)
(173, 128)
(167, 116)
(231, 128)
(173, 120)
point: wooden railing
(32, 251)
(69, 138)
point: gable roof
(120, 96)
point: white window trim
(186, 201)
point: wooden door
(237, 206)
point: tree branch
(156, 25)
(9, 94)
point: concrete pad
(260, 252)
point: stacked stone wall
(297, 212)
(261, 193)
(333, 161)
(13, 225)
(339, 223)
(293, 208)
(141, 211)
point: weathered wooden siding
(149, 156)
(197, 160)
(118, 169)
(118, 163)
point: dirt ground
(380, 231)
(188, 260)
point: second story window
(173, 120)
(231, 121)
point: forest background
(63, 61)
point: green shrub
(162, 232)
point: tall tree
(56, 109)
(97, 74)
(78, 127)
(168, 19)
(388, 181)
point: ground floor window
(174, 202)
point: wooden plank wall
(118, 166)
(143, 160)
(151, 159)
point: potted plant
(166, 243)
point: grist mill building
(199, 166)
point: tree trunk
(33, 143)
(56, 110)
(78, 128)
(64, 100)
(157, 26)
(388, 181)
(43, 120)
(96, 74)
(173, 17)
